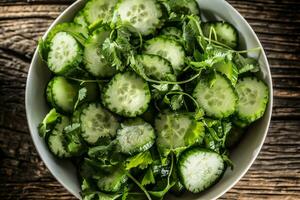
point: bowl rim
(227, 188)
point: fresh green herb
(47, 124)
(141, 160)
(82, 94)
(148, 177)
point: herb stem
(139, 185)
(86, 81)
(174, 82)
(186, 94)
(249, 50)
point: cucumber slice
(94, 61)
(172, 130)
(127, 95)
(226, 33)
(253, 98)
(65, 53)
(56, 140)
(99, 10)
(184, 6)
(199, 169)
(97, 123)
(113, 181)
(144, 15)
(229, 70)
(62, 94)
(168, 49)
(219, 100)
(135, 136)
(156, 67)
(172, 31)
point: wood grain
(274, 175)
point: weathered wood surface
(274, 175)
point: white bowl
(243, 155)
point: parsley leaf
(148, 177)
(47, 124)
(245, 64)
(141, 160)
(195, 134)
(74, 143)
(117, 49)
(82, 94)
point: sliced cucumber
(112, 182)
(135, 136)
(144, 15)
(61, 94)
(229, 70)
(56, 139)
(184, 6)
(65, 53)
(225, 33)
(199, 169)
(172, 31)
(168, 49)
(127, 95)
(173, 129)
(219, 100)
(96, 123)
(156, 67)
(94, 61)
(99, 10)
(253, 98)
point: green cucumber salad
(146, 98)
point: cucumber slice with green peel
(156, 67)
(65, 54)
(112, 182)
(172, 31)
(56, 139)
(253, 98)
(96, 123)
(96, 10)
(200, 169)
(62, 94)
(144, 15)
(172, 130)
(218, 100)
(184, 6)
(225, 33)
(94, 61)
(135, 136)
(229, 70)
(169, 49)
(80, 19)
(127, 94)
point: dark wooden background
(274, 175)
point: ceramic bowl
(243, 155)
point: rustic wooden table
(274, 175)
